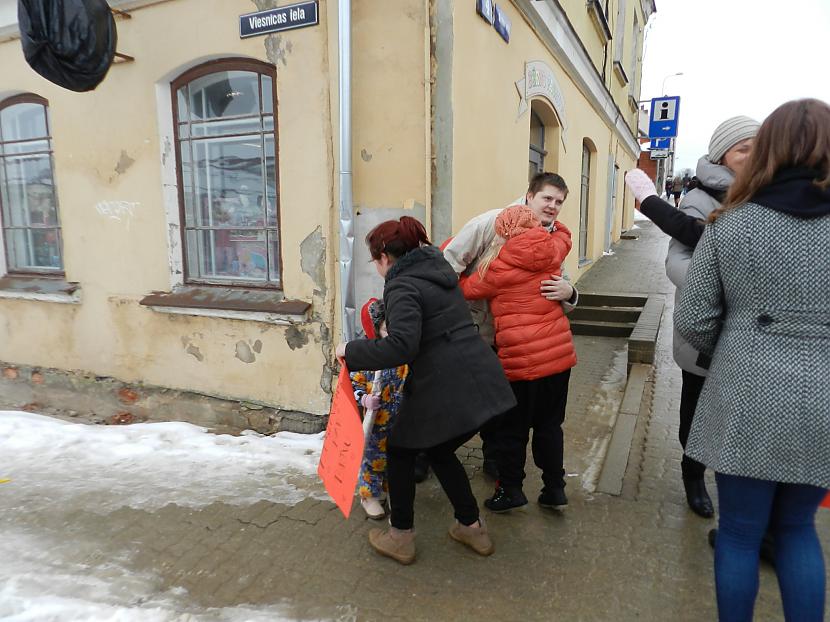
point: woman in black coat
(455, 382)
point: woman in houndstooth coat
(757, 300)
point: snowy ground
(53, 466)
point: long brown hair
(795, 135)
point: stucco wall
(490, 166)
(107, 148)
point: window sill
(619, 71)
(633, 104)
(230, 303)
(597, 14)
(40, 288)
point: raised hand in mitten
(640, 184)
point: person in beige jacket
(545, 196)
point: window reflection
(31, 227)
(229, 178)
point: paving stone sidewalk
(640, 556)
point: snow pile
(49, 466)
(37, 584)
(147, 465)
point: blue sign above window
(288, 17)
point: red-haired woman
(757, 300)
(455, 381)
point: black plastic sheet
(68, 42)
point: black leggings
(447, 468)
(689, 395)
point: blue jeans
(747, 507)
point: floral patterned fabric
(372, 480)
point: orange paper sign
(826, 502)
(343, 448)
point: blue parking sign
(660, 143)
(665, 112)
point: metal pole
(346, 205)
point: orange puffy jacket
(533, 336)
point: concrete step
(602, 329)
(589, 313)
(611, 299)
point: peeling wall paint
(313, 259)
(124, 163)
(296, 337)
(244, 352)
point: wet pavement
(640, 556)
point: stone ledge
(616, 457)
(230, 303)
(39, 288)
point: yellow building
(178, 227)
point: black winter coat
(455, 382)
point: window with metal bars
(226, 148)
(28, 200)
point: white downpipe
(346, 210)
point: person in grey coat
(757, 301)
(729, 148)
(455, 382)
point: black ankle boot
(697, 497)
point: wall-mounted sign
(485, 9)
(540, 81)
(287, 17)
(502, 23)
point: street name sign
(287, 17)
(663, 118)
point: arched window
(226, 145)
(537, 145)
(584, 199)
(30, 222)
(544, 138)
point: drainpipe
(346, 211)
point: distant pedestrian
(455, 382)
(677, 189)
(668, 188)
(757, 301)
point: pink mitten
(640, 184)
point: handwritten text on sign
(343, 448)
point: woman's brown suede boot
(399, 544)
(473, 536)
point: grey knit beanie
(730, 133)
